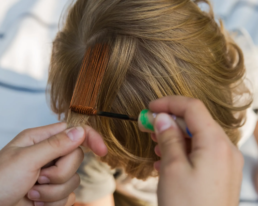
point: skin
(256, 173)
(23, 159)
(107, 201)
(211, 173)
(256, 132)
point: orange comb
(89, 81)
(90, 77)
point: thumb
(170, 139)
(56, 146)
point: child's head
(158, 48)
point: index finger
(94, 142)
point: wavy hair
(158, 48)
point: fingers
(63, 169)
(157, 165)
(196, 116)
(33, 136)
(52, 193)
(157, 151)
(170, 139)
(69, 201)
(55, 146)
(153, 137)
(192, 110)
(95, 142)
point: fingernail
(33, 194)
(39, 203)
(43, 180)
(163, 122)
(75, 134)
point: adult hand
(21, 163)
(210, 175)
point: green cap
(144, 120)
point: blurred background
(27, 29)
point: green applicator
(146, 120)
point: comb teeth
(83, 110)
(89, 80)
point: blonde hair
(158, 48)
